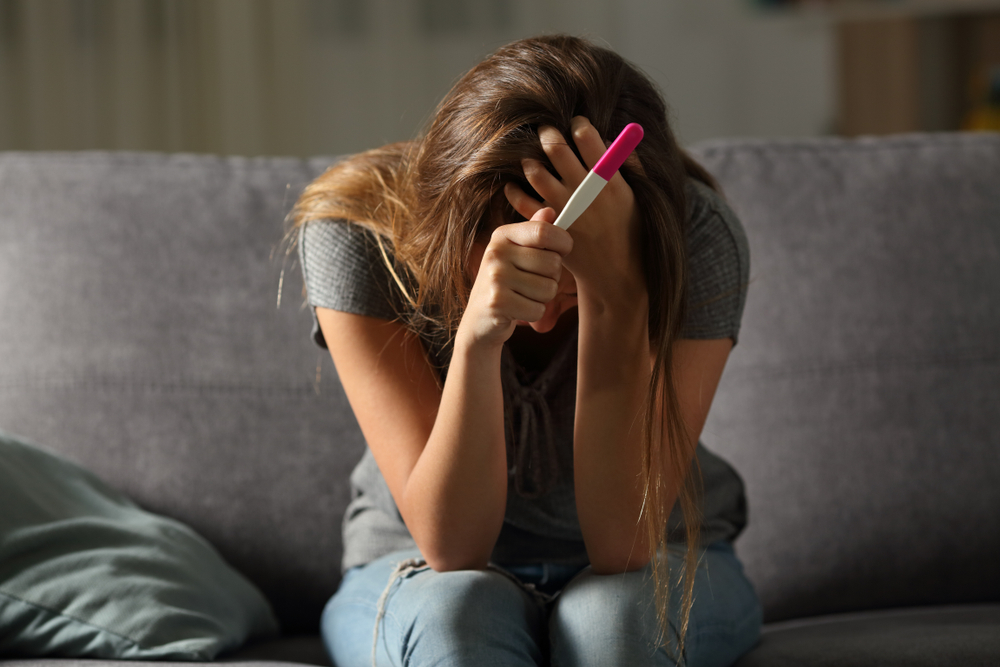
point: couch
(153, 330)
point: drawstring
(402, 569)
(531, 451)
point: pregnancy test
(603, 171)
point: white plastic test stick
(599, 176)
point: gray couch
(141, 335)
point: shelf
(873, 10)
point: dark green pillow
(85, 573)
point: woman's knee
(427, 617)
(467, 617)
(605, 619)
(463, 603)
(615, 617)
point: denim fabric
(542, 615)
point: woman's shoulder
(710, 214)
(345, 267)
(329, 243)
(718, 265)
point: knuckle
(496, 299)
(496, 273)
(531, 169)
(539, 232)
(488, 263)
(561, 241)
(554, 265)
(560, 147)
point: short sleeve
(344, 269)
(718, 267)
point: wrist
(470, 346)
(623, 297)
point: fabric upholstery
(145, 342)
(860, 405)
(304, 649)
(274, 662)
(142, 338)
(967, 635)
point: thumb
(547, 214)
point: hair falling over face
(428, 199)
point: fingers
(522, 202)
(538, 233)
(525, 278)
(537, 288)
(562, 156)
(545, 184)
(588, 140)
(546, 214)
(534, 248)
(557, 190)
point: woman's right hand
(515, 276)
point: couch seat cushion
(967, 635)
(301, 649)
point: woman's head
(431, 198)
(489, 122)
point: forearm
(456, 495)
(612, 382)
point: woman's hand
(605, 260)
(516, 276)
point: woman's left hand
(605, 260)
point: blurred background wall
(307, 77)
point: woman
(532, 397)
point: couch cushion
(303, 649)
(57, 662)
(926, 637)
(861, 403)
(84, 573)
(141, 336)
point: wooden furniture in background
(919, 72)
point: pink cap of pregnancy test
(618, 152)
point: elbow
(618, 563)
(451, 541)
(444, 553)
(449, 563)
(452, 557)
(619, 554)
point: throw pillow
(85, 573)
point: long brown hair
(427, 200)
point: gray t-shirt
(344, 270)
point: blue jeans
(490, 617)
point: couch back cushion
(141, 336)
(861, 404)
